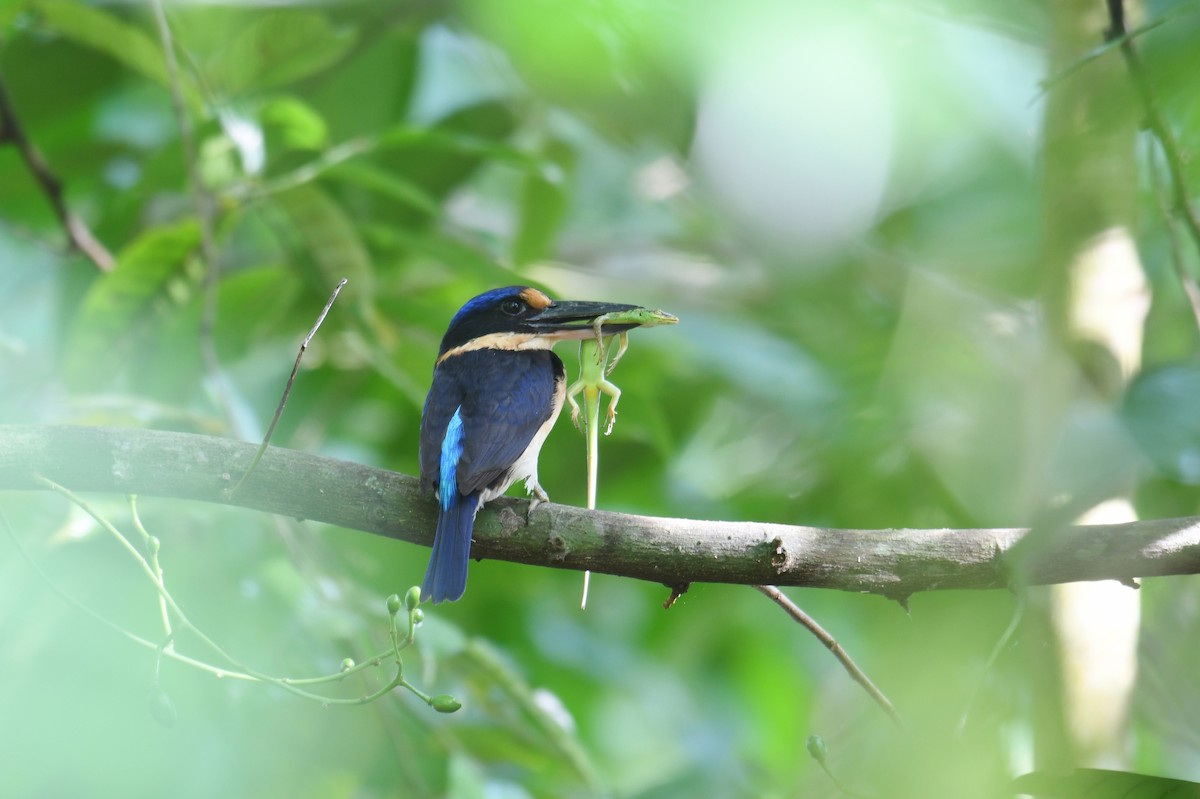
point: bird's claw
(539, 496)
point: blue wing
(443, 400)
(506, 397)
(482, 411)
(446, 575)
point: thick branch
(894, 563)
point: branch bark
(893, 562)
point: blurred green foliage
(842, 205)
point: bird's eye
(511, 308)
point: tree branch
(79, 235)
(894, 562)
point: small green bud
(418, 616)
(393, 604)
(444, 703)
(152, 543)
(413, 597)
(816, 748)
(162, 708)
(347, 664)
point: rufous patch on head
(536, 299)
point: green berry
(413, 597)
(393, 604)
(444, 703)
(816, 747)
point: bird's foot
(539, 496)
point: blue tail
(446, 578)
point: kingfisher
(497, 390)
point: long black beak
(566, 319)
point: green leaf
(280, 48)
(101, 31)
(1158, 410)
(372, 87)
(460, 256)
(445, 139)
(372, 178)
(263, 301)
(150, 281)
(441, 157)
(1088, 783)
(328, 240)
(294, 124)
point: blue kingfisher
(497, 390)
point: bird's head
(523, 318)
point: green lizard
(594, 369)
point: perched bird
(497, 390)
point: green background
(847, 206)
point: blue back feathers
(446, 576)
(452, 448)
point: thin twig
(308, 172)
(1110, 43)
(1178, 263)
(287, 390)
(833, 646)
(239, 669)
(203, 203)
(1154, 120)
(1001, 644)
(109, 623)
(78, 233)
(152, 545)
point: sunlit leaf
(294, 124)
(123, 307)
(1087, 783)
